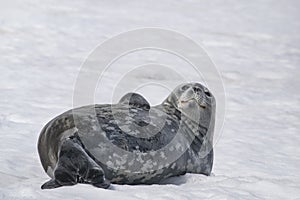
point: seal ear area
(135, 100)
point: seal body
(131, 142)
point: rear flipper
(76, 166)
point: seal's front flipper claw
(105, 184)
(51, 184)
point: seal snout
(194, 94)
(202, 105)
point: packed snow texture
(255, 45)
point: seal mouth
(192, 99)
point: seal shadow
(175, 180)
(185, 179)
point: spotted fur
(75, 147)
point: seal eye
(185, 87)
(207, 93)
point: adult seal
(131, 142)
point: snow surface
(255, 44)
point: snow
(254, 44)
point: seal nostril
(196, 89)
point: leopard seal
(131, 142)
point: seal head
(195, 101)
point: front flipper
(75, 166)
(95, 177)
(135, 100)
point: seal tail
(50, 138)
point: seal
(131, 142)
